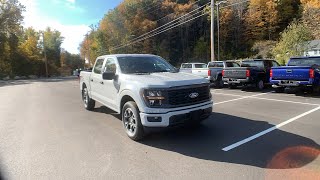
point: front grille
(181, 96)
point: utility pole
(212, 29)
(218, 26)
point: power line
(160, 32)
(167, 25)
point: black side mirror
(108, 75)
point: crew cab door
(110, 88)
(96, 79)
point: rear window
(186, 66)
(200, 66)
(304, 61)
(252, 64)
(232, 64)
(216, 64)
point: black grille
(181, 96)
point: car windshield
(144, 64)
(304, 61)
(252, 64)
(232, 64)
(200, 66)
(215, 64)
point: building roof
(314, 45)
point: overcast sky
(71, 17)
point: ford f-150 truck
(147, 91)
(215, 71)
(199, 69)
(251, 73)
(303, 72)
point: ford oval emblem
(193, 95)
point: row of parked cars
(300, 72)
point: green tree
(10, 29)
(52, 43)
(293, 42)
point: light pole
(212, 29)
(45, 54)
(218, 26)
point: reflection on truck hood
(159, 80)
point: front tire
(89, 103)
(131, 121)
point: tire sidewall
(138, 134)
(260, 84)
(85, 90)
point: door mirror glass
(108, 75)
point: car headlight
(154, 98)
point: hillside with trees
(248, 29)
(178, 30)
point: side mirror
(108, 75)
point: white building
(313, 48)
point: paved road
(45, 133)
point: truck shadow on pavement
(276, 150)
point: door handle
(101, 82)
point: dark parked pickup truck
(215, 71)
(303, 72)
(251, 73)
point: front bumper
(182, 116)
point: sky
(71, 17)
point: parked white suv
(147, 91)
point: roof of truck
(126, 55)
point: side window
(110, 65)
(275, 64)
(98, 67)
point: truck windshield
(200, 65)
(252, 64)
(232, 64)
(145, 64)
(304, 61)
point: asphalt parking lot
(45, 133)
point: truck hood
(165, 80)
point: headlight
(154, 98)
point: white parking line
(295, 102)
(228, 148)
(228, 94)
(267, 99)
(245, 97)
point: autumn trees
(22, 50)
(249, 29)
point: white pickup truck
(199, 69)
(147, 91)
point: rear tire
(219, 82)
(89, 103)
(260, 85)
(131, 121)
